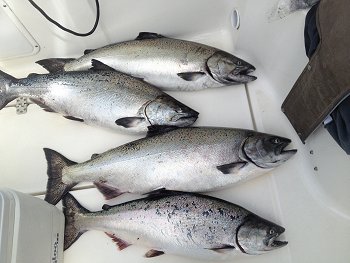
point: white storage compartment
(31, 230)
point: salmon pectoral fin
(223, 249)
(153, 253)
(109, 192)
(129, 122)
(73, 118)
(119, 242)
(231, 168)
(191, 76)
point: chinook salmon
(168, 63)
(176, 223)
(186, 159)
(103, 98)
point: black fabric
(339, 128)
(312, 38)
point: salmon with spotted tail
(102, 97)
(192, 159)
(168, 63)
(179, 223)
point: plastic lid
(7, 214)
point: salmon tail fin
(54, 64)
(5, 97)
(56, 188)
(72, 210)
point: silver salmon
(193, 159)
(179, 223)
(168, 63)
(102, 98)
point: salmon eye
(276, 140)
(272, 231)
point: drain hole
(235, 19)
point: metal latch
(21, 105)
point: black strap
(66, 29)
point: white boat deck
(311, 203)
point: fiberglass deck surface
(312, 205)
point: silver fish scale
(99, 98)
(183, 159)
(177, 139)
(171, 222)
(167, 57)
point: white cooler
(31, 230)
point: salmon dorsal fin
(87, 51)
(98, 65)
(32, 75)
(160, 193)
(148, 35)
(159, 129)
(54, 64)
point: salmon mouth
(280, 149)
(243, 78)
(278, 244)
(273, 243)
(241, 74)
(248, 70)
(185, 119)
(165, 110)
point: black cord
(66, 29)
